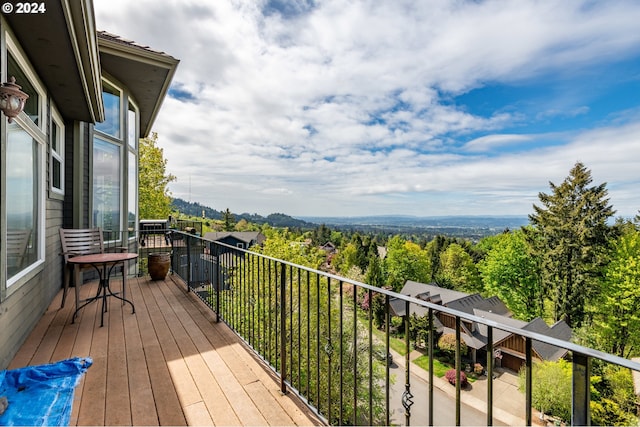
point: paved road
(444, 405)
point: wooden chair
(17, 242)
(82, 241)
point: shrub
(447, 342)
(451, 377)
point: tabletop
(104, 258)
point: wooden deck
(167, 364)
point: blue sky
(343, 108)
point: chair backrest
(17, 242)
(81, 241)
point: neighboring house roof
(489, 308)
(247, 237)
(473, 302)
(431, 291)
(328, 247)
(146, 72)
(558, 330)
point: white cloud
(343, 108)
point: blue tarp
(41, 395)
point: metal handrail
(278, 277)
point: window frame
(37, 132)
(56, 155)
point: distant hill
(489, 222)
(472, 228)
(274, 219)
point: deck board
(167, 364)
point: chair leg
(67, 277)
(77, 281)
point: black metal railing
(316, 332)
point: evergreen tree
(228, 220)
(569, 235)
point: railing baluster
(218, 282)
(387, 321)
(355, 356)
(291, 319)
(329, 349)
(490, 358)
(528, 380)
(458, 363)
(581, 390)
(308, 333)
(283, 329)
(318, 329)
(370, 292)
(431, 344)
(341, 350)
(407, 397)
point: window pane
(132, 200)
(106, 185)
(111, 100)
(54, 137)
(131, 123)
(22, 190)
(31, 106)
(56, 174)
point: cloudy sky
(343, 108)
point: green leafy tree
(346, 258)
(551, 392)
(617, 310)
(510, 272)
(458, 270)
(569, 236)
(154, 199)
(405, 261)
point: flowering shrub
(451, 377)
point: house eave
(62, 47)
(146, 73)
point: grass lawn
(439, 368)
(397, 344)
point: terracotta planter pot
(159, 264)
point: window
(106, 185)
(132, 200)
(111, 98)
(56, 163)
(23, 211)
(32, 106)
(115, 165)
(23, 181)
(132, 126)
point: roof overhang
(145, 72)
(61, 45)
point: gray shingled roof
(489, 308)
(245, 236)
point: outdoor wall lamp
(12, 99)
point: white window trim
(56, 120)
(29, 272)
(16, 51)
(37, 132)
(122, 138)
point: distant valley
(470, 227)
